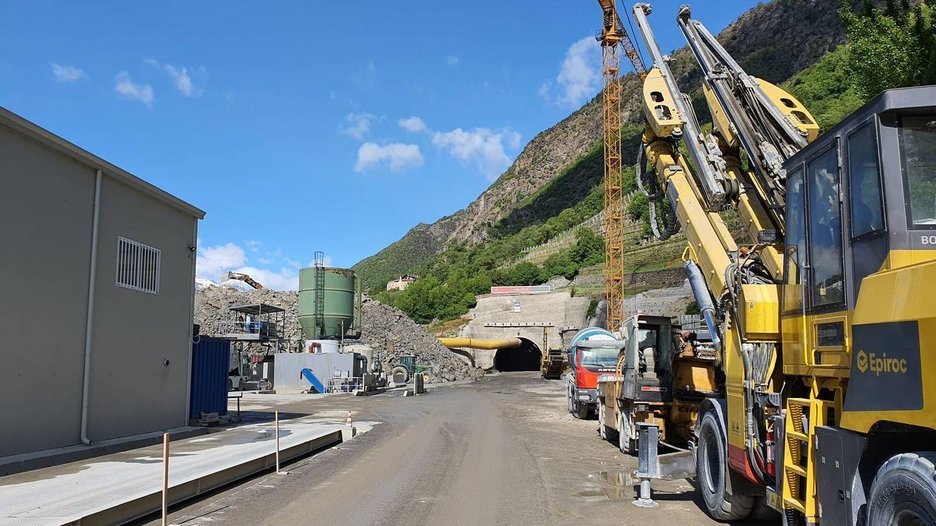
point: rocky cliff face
(772, 41)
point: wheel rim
(710, 469)
(909, 514)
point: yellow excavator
(240, 276)
(821, 310)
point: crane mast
(613, 39)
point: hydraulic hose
(703, 300)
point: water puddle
(616, 485)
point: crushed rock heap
(393, 333)
(386, 329)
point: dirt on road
(499, 451)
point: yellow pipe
(474, 343)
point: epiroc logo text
(880, 364)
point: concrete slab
(127, 485)
(63, 455)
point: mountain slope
(562, 164)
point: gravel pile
(386, 329)
(212, 304)
(392, 333)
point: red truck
(592, 351)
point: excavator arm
(245, 278)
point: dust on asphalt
(499, 451)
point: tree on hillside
(890, 48)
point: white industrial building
(96, 295)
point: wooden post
(165, 488)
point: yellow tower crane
(613, 39)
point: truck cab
(593, 351)
(662, 375)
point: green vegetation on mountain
(450, 281)
(891, 47)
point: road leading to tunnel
(499, 451)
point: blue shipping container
(210, 360)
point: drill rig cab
(856, 308)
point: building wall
(132, 391)
(46, 207)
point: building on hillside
(97, 279)
(402, 282)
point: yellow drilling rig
(824, 404)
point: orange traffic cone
(348, 420)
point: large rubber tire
(712, 472)
(606, 432)
(581, 411)
(762, 512)
(627, 443)
(570, 400)
(904, 491)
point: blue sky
(304, 126)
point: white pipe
(92, 275)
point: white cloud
(453, 60)
(127, 89)
(181, 78)
(412, 124)
(482, 146)
(67, 73)
(398, 156)
(326, 262)
(365, 78)
(213, 263)
(357, 125)
(283, 279)
(579, 77)
(182, 81)
(253, 245)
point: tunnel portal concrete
(527, 357)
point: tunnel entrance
(527, 357)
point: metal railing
(344, 384)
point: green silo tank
(329, 303)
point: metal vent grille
(137, 266)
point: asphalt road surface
(499, 451)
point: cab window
(864, 182)
(918, 159)
(602, 358)
(795, 247)
(826, 279)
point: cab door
(813, 320)
(826, 322)
(793, 306)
